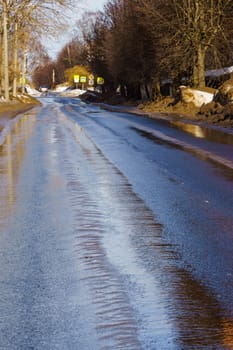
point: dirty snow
(202, 97)
(73, 92)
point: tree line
(22, 24)
(138, 45)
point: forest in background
(137, 46)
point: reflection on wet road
(220, 162)
(86, 261)
(203, 132)
(11, 155)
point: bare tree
(20, 20)
(137, 44)
(187, 30)
(5, 48)
(126, 47)
(200, 22)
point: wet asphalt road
(116, 232)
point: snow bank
(197, 97)
(32, 92)
(61, 88)
(73, 92)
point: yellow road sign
(83, 79)
(100, 80)
(76, 78)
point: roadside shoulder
(169, 116)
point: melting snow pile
(73, 92)
(32, 92)
(197, 97)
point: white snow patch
(219, 72)
(73, 92)
(202, 97)
(61, 88)
(195, 96)
(32, 92)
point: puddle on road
(143, 298)
(199, 131)
(11, 155)
(223, 165)
(209, 134)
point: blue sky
(54, 45)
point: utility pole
(53, 79)
(68, 53)
(5, 54)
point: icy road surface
(116, 233)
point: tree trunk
(143, 92)
(15, 60)
(1, 61)
(195, 72)
(24, 72)
(201, 67)
(156, 90)
(5, 54)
